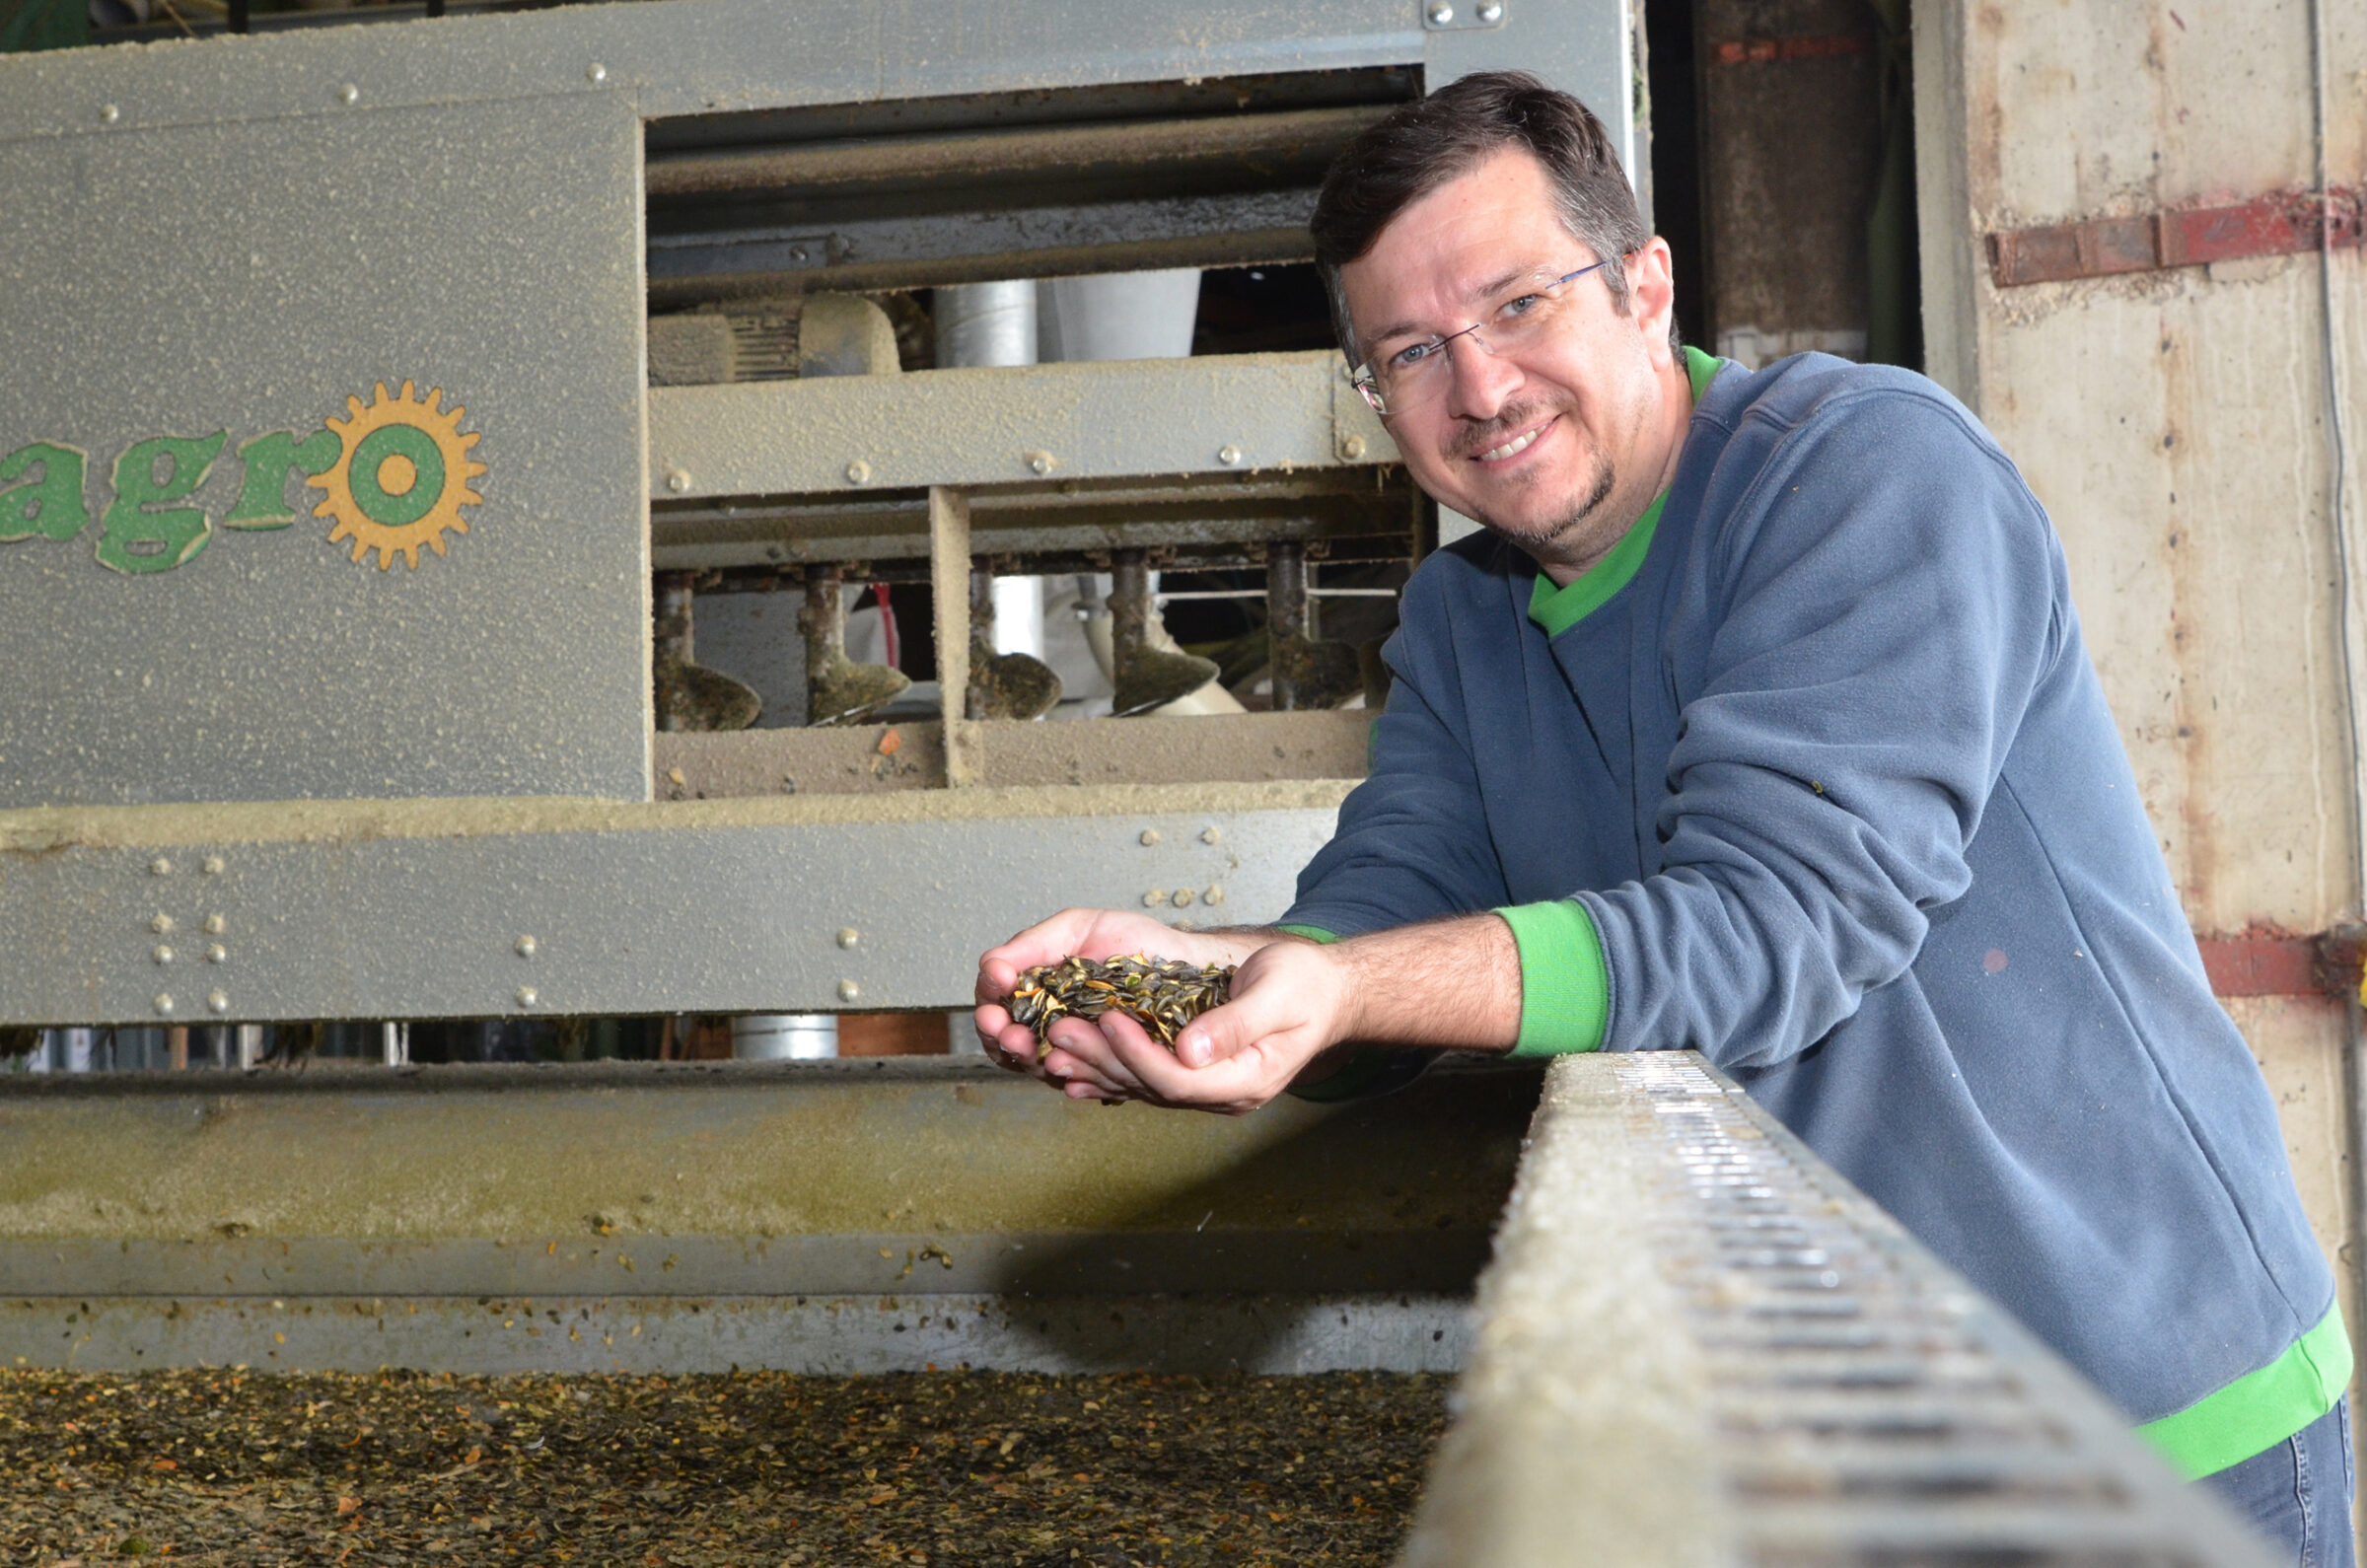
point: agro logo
(395, 472)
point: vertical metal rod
(1286, 620)
(1130, 605)
(823, 624)
(396, 1044)
(982, 635)
(250, 1044)
(950, 580)
(671, 636)
(177, 1043)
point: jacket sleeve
(1413, 842)
(1887, 595)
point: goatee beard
(1531, 538)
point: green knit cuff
(1315, 934)
(1565, 990)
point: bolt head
(163, 954)
(848, 936)
(527, 947)
(677, 480)
(1209, 835)
(1183, 899)
(1213, 895)
(848, 990)
(159, 867)
(1154, 899)
(527, 997)
(1039, 462)
(858, 473)
(163, 1006)
(212, 866)
(597, 73)
(218, 1001)
(349, 94)
(1228, 454)
(161, 924)
(215, 925)
(1440, 13)
(1352, 448)
(216, 952)
(109, 113)
(1150, 837)
(1490, 12)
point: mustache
(1472, 440)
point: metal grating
(1870, 1408)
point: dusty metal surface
(1011, 425)
(1213, 748)
(1697, 1344)
(409, 908)
(821, 1217)
(222, 642)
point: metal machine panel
(357, 910)
(184, 627)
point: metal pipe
(1287, 621)
(986, 323)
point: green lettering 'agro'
(175, 532)
(49, 507)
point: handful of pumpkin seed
(1161, 994)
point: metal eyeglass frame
(1366, 383)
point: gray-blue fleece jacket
(1819, 781)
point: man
(1758, 722)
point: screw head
(596, 73)
(349, 94)
(527, 947)
(215, 925)
(848, 936)
(1490, 12)
(212, 866)
(858, 473)
(1213, 895)
(1440, 13)
(527, 997)
(219, 1001)
(164, 1005)
(163, 954)
(1352, 448)
(1228, 454)
(1183, 897)
(216, 952)
(848, 990)
(161, 924)
(797, 254)
(677, 480)
(1150, 837)
(109, 113)
(1039, 462)
(1154, 899)
(159, 867)
(1209, 835)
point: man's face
(1547, 446)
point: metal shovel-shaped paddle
(839, 690)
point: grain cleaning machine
(333, 487)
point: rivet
(1490, 13)
(1183, 897)
(527, 947)
(848, 990)
(677, 480)
(212, 866)
(1228, 453)
(1352, 448)
(858, 473)
(161, 924)
(164, 1005)
(797, 254)
(1040, 463)
(109, 113)
(216, 952)
(1150, 837)
(1154, 899)
(159, 867)
(1441, 14)
(219, 1001)
(848, 936)
(349, 94)
(597, 73)
(163, 954)
(527, 997)
(215, 925)
(1213, 895)
(1209, 835)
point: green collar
(1557, 609)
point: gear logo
(401, 476)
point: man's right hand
(1094, 934)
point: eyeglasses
(1418, 373)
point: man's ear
(1652, 293)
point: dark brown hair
(1397, 160)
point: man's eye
(1413, 354)
(1520, 306)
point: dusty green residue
(763, 1159)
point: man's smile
(1507, 450)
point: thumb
(1256, 1013)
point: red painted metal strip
(1760, 51)
(2282, 223)
(2274, 964)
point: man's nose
(1482, 383)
